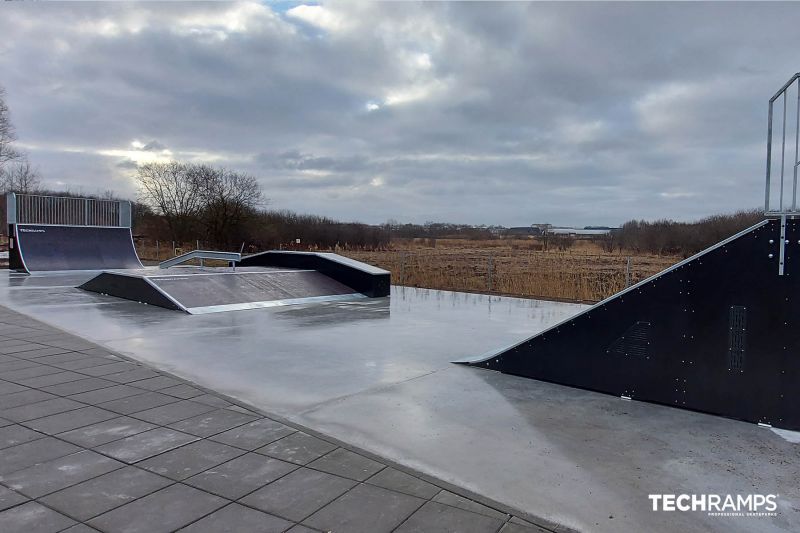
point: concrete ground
(376, 374)
(91, 441)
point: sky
(480, 113)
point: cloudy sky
(478, 113)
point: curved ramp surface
(50, 248)
(715, 333)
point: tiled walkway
(91, 441)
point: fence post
(628, 273)
(158, 258)
(489, 273)
(174, 252)
(402, 268)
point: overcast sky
(478, 113)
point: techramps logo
(30, 230)
(728, 505)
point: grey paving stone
(191, 459)
(57, 474)
(172, 412)
(132, 376)
(347, 464)
(61, 358)
(81, 528)
(6, 387)
(29, 453)
(365, 509)
(24, 397)
(439, 518)
(300, 528)
(40, 409)
(106, 394)
(299, 448)
(70, 420)
(255, 434)
(113, 368)
(140, 402)
(241, 476)
(107, 431)
(236, 518)
(210, 399)
(145, 445)
(454, 500)
(23, 347)
(33, 518)
(391, 478)
(99, 351)
(520, 522)
(213, 422)
(9, 498)
(77, 387)
(41, 352)
(298, 494)
(160, 512)
(103, 493)
(158, 382)
(517, 528)
(51, 379)
(4, 422)
(16, 364)
(86, 362)
(183, 391)
(240, 409)
(15, 376)
(15, 434)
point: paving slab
(439, 518)
(30, 453)
(33, 517)
(255, 434)
(62, 422)
(454, 500)
(213, 422)
(191, 459)
(235, 518)
(139, 402)
(23, 397)
(39, 409)
(347, 464)
(106, 492)
(146, 444)
(365, 509)
(391, 478)
(10, 498)
(105, 394)
(300, 448)
(14, 434)
(50, 476)
(51, 379)
(160, 512)
(172, 412)
(238, 477)
(78, 387)
(107, 431)
(182, 391)
(299, 494)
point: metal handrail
(233, 257)
(783, 94)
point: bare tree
(7, 133)
(20, 177)
(229, 199)
(174, 193)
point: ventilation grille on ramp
(634, 342)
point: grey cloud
(482, 112)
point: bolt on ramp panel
(716, 333)
(51, 248)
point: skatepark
(685, 383)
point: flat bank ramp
(716, 333)
(198, 291)
(51, 248)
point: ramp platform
(200, 291)
(53, 233)
(717, 333)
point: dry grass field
(516, 267)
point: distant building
(523, 231)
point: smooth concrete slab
(377, 374)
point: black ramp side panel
(718, 334)
(134, 288)
(75, 248)
(228, 288)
